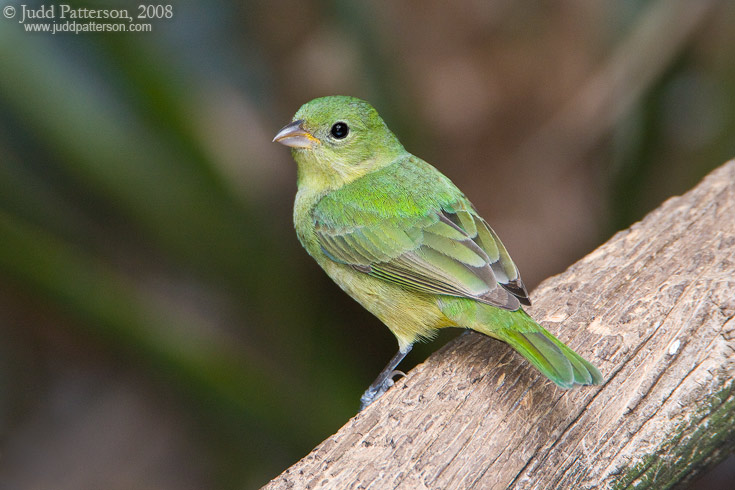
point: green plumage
(550, 356)
(409, 224)
(400, 238)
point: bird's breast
(304, 222)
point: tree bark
(653, 308)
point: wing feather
(427, 240)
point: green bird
(402, 240)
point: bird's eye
(339, 130)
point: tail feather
(558, 362)
(555, 360)
(584, 372)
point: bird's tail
(555, 360)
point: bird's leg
(384, 379)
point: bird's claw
(375, 392)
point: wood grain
(653, 308)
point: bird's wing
(409, 225)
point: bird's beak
(295, 136)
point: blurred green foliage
(145, 227)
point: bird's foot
(377, 389)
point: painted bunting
(401, 239)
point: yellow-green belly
(409, 315)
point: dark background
(160, 326)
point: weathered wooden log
(653, 308)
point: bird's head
(336, 140)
